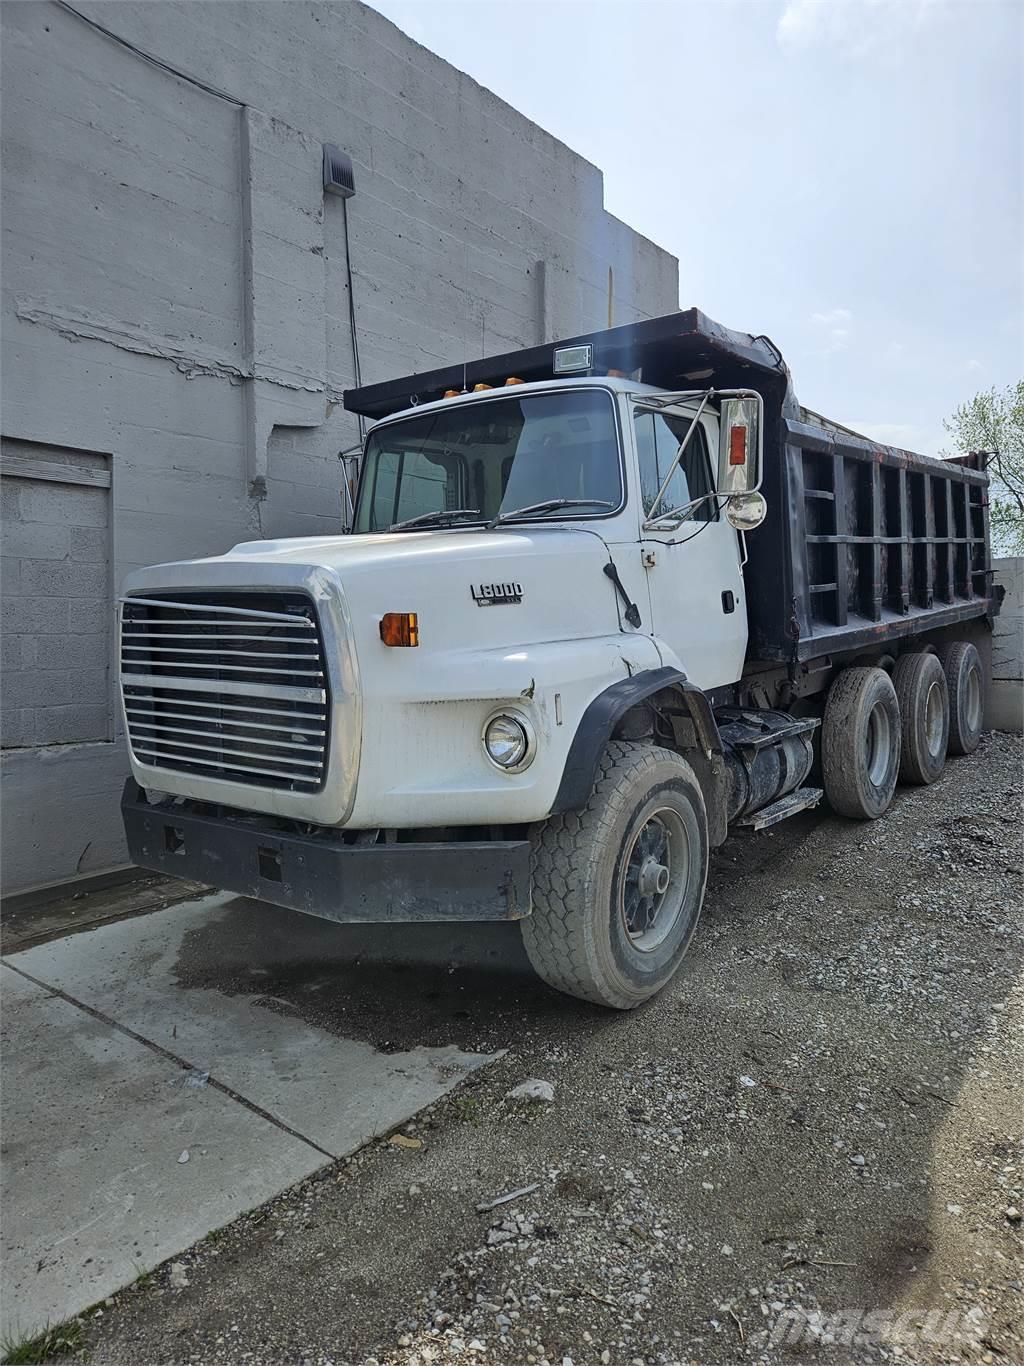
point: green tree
(993, 421)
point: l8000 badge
(496, 594)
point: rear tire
(966, 683)
(860, 743)
(618, 886)
(920, 684)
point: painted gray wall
(1005, 705)
(175, 306)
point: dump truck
(600, 602)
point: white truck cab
(522, 687)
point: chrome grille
(230, 686)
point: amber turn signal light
(400, 628)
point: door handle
(728, 600)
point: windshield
(494, 457)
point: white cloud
(832, 328)
(973, 366)
(858, 27)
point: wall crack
(126, 337)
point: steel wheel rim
(933, 720)
(973, 700)
(656, 874)
(879, 744)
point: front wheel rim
(657, 872)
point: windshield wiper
(445, 517)
(549, 505)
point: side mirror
(746, 511)
(740, 447)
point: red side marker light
(737, 446)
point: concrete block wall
(55, 583)
(1005, 702)
(175, 297)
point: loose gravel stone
(866, 979)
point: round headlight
(507, 741)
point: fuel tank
(768, 754)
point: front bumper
(319, 874)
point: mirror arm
(679, 453)
(678, 515)
(344, 457)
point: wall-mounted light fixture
(338, 176)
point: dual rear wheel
(878, 729)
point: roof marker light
(570, 359)
(479, 388)
(514, 379)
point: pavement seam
(171, 1057)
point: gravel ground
(819, 1120)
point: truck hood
(471, 589)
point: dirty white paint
(97, 1110)
(175, 294)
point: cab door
(695, 570)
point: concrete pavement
(104, 1040)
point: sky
(846, 176)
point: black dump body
(863, 543)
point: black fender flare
(603, 714)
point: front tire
(618, 886)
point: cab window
(495, 455)
(657, 438)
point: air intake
(338, 177)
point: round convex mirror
(745, 511)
